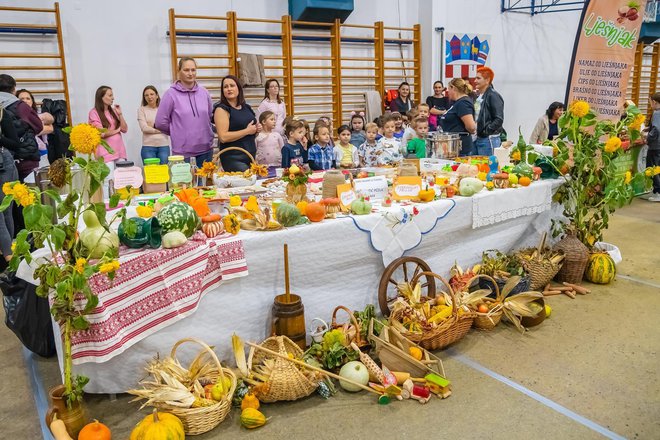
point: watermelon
(600, 268)
(178, 216)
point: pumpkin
(600, 268)
(186, 195)
(211, 229)
(201, 206)
(426, 195)
(252, 418)
(355, 371)
(178, 216)
(484, 168)
(287, 215)
(213, 217)
(250, 401)
(95, 238)
(157, 426)
(302, 206)
(235, 201)
(95, 431)
(174, 239)
(144, 211)
(315, 212)
(524, 181)
(361, 207)
(469, 186)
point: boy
(368, 151)
(389, 145)
(416, 148)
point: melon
(600, 268)
(178, 216)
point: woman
(185, 115)
(47, 120)
(272, 102)
(154, 142)
(236, 124)
(438, 104)
(110, 117)
(546, 128)
(8, 173)
(402, 104)
(459, 118)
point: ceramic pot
(74, 418)
(148, 233)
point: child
(328, 123)
(368, 152)
(399, 129)
(653, 141)
(346, 154)
(388, 144)
(292, 151)
(409, 132)
(417, 147)
(358, 136)
(321, 154)
(379, 123)
(269, 142)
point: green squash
(174, 239)
(468, 186)
(96, 239)
(361, 207)
(288, 215)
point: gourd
(355, 371)
(250, 401)
(315, 212)
(157, 426)
(361, 207)
(95, 431)
(58, 429)
(287, 215)
(302, 207)
(469, 186)
(174, 239)
(212, 229)
(95, 238)
(178, 216)
(252, 418)
(426, 195)
(235, 201)
(600, 268)
(213, 217)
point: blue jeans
(485, 146)
(201, 158)
(161, 153)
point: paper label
(156, 174)
(131, 176)
(372, 187)
(181, 173)
(430, 164)
(346, 195)
(406, 187)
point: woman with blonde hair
(459, 118)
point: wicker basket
(541, 270)
(351, 328)
(489, 320)
(450, 330)
(216, 157)
(286, 381)
(576, 257)
(200, 420)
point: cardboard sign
(181, 173)
(429, 165)
(346, 195)
(372, 187)
(130, 176)
(156, 174)
(406, 187)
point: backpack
(28, 148)
(58, 141)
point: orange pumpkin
(186, 195)
(211, 218)
(315, 212)
(302, 206)
(524, 181)
(95, 431)
(484, 168)
(200, 205)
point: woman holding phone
(108, 116)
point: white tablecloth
(331, 263)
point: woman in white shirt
(154, 142)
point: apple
(355, 371)
(631, 13)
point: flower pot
(148, 233)
(74, 418)
(576, 257)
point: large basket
(541, 270)
(200, 420)
(489, 320)
(351, 329)
(450, 330)
(216, 157)
(286, 381)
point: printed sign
(346, 195)
(372, 187)
(130, 176)
(181, 173)
(429, 165)
(406, 187)
(603, 55)
(155, 174)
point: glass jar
(180, 172)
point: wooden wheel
(401, 270)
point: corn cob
(372, 366)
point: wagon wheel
(398, 271)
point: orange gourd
(95, 431)
(211, 218)
(525, 181)
(200, 205)
(484, 168)
(250, 401)
(302, 206)
(186, 195)
(315, 212)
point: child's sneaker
(654, 198)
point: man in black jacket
(491, 113)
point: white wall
(530, 55)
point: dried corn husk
(517, 306)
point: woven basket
(450, 330)
(200, 420)
(216, 157)
(351, 328)
(522, 286)
(286, 381)
(576, 257)
(541, 270)
(489, 320)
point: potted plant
(64, 273)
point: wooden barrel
(289, 319)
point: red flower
(415, 210)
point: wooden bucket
(289, 319)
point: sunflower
(207, 170)
(636, 124)
(231, 224)
(85, 138)
(579, 108)
(80, 265)
(112, 266)
(7, 188)
(656, 170)
(515, 155)
(612, 144)
(259, 170)
(628, 177)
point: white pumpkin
(355, 371)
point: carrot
(569, 293)
(551, 292)
(579, 289)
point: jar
(156, 176)
(124, 175)
(331, 179)
(180, 172)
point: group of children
(386, 141)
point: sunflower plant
(591, 157)
(63, 275)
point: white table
(331, 263)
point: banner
(464, 53)
(604, 53)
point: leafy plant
(332, 352)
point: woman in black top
(402, 104)
(459, 118)
(236, 125)
(438, 104)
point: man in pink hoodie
(185, 115)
